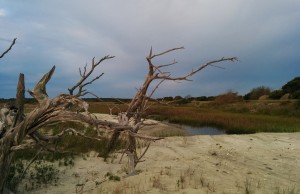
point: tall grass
(231, 122)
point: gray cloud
(264, 35)
(2, 12)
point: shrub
(255, 93)
(229, 97)
(292, 86)
(276, 94)
(296, 95)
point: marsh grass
(169, 132)
(103, 107)
(232, 122)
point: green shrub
(276, 94)
(44, 174)
(14, 176)
(112, 177)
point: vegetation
(257, 92)
(235, 118)
(42, 172)
(228, 97)
(292, 86)
(276, 94)
(238, 118)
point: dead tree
(140, 102)
(16, 127)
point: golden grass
(232, 122)
(240, 117)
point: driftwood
(140, 102)
(15, 127)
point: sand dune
(259, 163)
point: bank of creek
(202, 130)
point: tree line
(291, 90)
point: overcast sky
(264, 35)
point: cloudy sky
(264, 35)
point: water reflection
(203, 130)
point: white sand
(262, 163)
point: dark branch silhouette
(9, 48)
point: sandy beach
(256, 163)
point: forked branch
(193, 72)
(84, 74)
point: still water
(203, 130)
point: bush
(276, 94)
(40, 174)
(255, 93)
(201, 98)
(298, 104)
(43, 174)
(296, 95)
(292, 86)
(229, 97)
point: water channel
(202, 130)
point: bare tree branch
(193, 72)
(162, 53)
(138, 104)
(86, 74)
(9, 48)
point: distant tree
(276, 94)
(168, 98)
(292, 87)
(188, 96)
(296, 95)
(201, 98)
(211, 98)
(257, 92)
(178, 98)
(228, 97)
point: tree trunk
(132, 156)
(20, 98)
(5, 160)
(7, 141)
